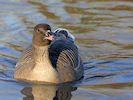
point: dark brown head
(41, 35)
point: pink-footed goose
(50, 62)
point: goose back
(65, 58)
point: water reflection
(48, 92)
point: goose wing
(65, 58)
(24, 64)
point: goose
(53, 57)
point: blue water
(104, 35)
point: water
(104, 34)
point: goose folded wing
(63, 53)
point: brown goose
(45, 61)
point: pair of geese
(52, 58)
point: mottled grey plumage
(65, 58)
(57, 62)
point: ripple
(103, 31)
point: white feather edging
(69, 34)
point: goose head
(42, 35)
(62, 32)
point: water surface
(104, 34)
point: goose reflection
(48, 92)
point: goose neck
(41, 54)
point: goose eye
(38, 30)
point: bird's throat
(41, 54)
